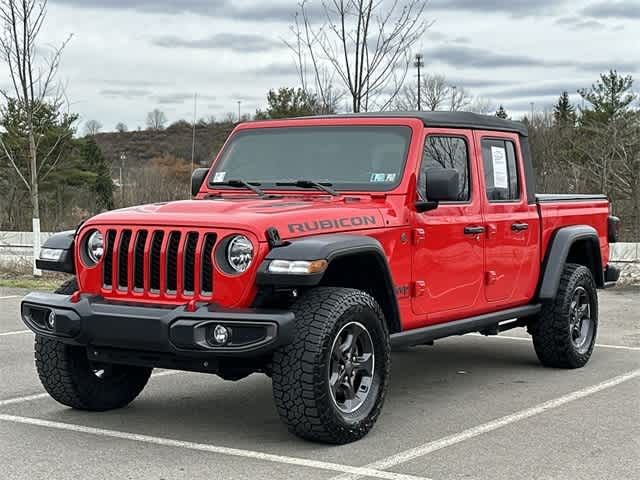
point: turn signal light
(298, 267)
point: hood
(293, 216)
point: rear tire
(71, 379)
(564, 333)
(329, 384)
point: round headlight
(239, 253)
(95, 246)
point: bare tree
(156, 120)
(437, 93)
(481, 105)
(32, 75)
(364, 45)
(92, 127)
(121, 127)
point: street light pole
(532, 107)
(239, 103)
(123, 157)
(193, 139)
(419, 63)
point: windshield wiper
(326, 187)
(253, 186)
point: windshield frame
(245, 129)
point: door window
(441, 151)
(500, 170)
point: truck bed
(562, 210)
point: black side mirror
(442, 186)
(197, 177)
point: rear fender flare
(558, 253)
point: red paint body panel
(444, 274)
(450, 262)
(591, 212)
(511, 257)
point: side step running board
(423, 335)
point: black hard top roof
(471, 121)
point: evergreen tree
(501, 113)
(102, 185)
(610, 97)
(564, 113)
(289, 102)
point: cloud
(463, 56)
(472, 83)
(621, 9)
(179, 98)
(578, 23)
(237, 42)
(229, 9)
(553, 89)
(515, 8)
(276, 69)
(124, 92)
(599, 66)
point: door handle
(519, 227)
(473, 230)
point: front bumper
(170, 332)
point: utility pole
(419, 63)
(239, 103)
(123, 157)
(193, 139)
(532, 107)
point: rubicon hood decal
(344, 222)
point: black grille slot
(107, 267)
(154, 261)
(190, 262)
(138, 259)
(123, 259)
(172, 261)
(207, 264)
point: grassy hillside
(175, 141)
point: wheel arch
(577, 244)
(354, 261)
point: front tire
(71, 379)
(329, 384)
(564, 334)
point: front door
(449, 241)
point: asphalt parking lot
(467, 408)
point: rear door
(512, 224)
(449, 241)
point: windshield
(349, 158)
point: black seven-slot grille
(159, 262)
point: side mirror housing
(197, 177)
(442, 186)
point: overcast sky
(128, 57)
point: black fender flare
(558, 252)
(60, 241)
(330, 248)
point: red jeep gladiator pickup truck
(311, 248)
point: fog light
(221, 334)
(51, 320)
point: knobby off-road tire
(308, 389)
(71, 379)
(564, 333)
